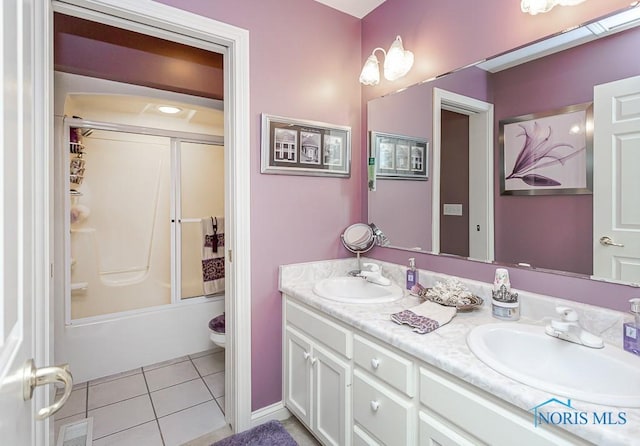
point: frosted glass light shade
(370, 74)
(397, 62)
(534, 7)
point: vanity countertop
(446, 347)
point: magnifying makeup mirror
(360, 238)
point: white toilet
(217, 330)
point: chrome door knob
(606, 241)
(34, 377)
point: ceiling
(356, 8)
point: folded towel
(425, 318)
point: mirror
(464, 109)
(358, 238)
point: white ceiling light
(169, 109)
(534, 7)
(397, 63)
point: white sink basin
(526, 354)
(356, 290)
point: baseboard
(276, 411)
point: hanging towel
(426, 317)
(213, 254)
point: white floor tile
(220, 402)
(117, 390)
(191, 423)
(170, 375)
(117, 417)
(115, 376)
(215, 383)
(179, 397)
(147, 434)
(147, 368)
(209, 364)
(76, 404)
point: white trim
(276, 411)
(443, 99)
(181, 26)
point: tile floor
(164, 404)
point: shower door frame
(175, 213)
(177, 25)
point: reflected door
(616, 158)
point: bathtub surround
(446, 348)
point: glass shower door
(201, 218)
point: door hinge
(230, 252)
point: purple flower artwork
(545, 154)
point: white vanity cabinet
(396, 399)
(317, 374)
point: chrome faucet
(371, 273)
(568, 329)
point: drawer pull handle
(375, 405)
(375, 363)
(306, 355)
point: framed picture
(548, 153)
(399, 157)
(295, 147)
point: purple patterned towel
(271, 433)
(425, 317)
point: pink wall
(430, 30)
(304, 62)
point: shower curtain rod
(183, 136)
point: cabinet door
(297, 385)
(332, 393)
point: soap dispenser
(412, 274)
(631, 330)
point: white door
(616, 182)
(23, 224)
(332, 393)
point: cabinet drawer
(433, 432)
(384, 413)
(361, 438)
(384, 364)
(491, 421)
(322, 329)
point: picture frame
(300, 147)
(548, 153)
(399, 157)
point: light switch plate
(452, 209)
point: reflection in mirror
(549, 232)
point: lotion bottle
(631, 330)
(412, 274)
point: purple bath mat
(271, 433)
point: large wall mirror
(461, 210)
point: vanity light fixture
(534, 7)
(397, 63)
(169, 109)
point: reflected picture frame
(301, 147)
(548, 153)
(399, 157)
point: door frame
(166, 22)
(480, 154)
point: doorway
(480, 209)
(189, 29)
